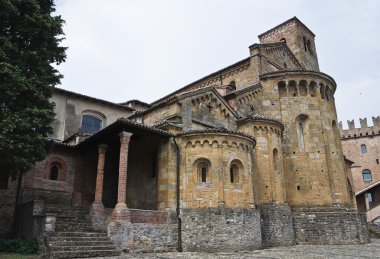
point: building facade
(362, 146)
(247, 157)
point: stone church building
(247, 157)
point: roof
(260, 117)
(118, 126)
(135, 101)
(63, 91)
(367, 188)
(241, 62)
(294, 19)
(217, 130)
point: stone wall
(276, 225)
(220, 229)
(329, 226)
(157, 233)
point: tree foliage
(30, 37)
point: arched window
(367, 175)
(292, 88)
(91, 123)
(322, 90)
(313, 88)
(304, 43)
(363, 148)
(303, 88)
(202, 170)
(232, 84)
(234, 173)
(300, 126)
(55, 169)
(281, 88)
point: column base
(97, 215)
(121, 213)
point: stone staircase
(74, 236)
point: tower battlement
(363, 131)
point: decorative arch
(282, 89)
(292, 88)
(303, 88)
(313, 88)
(202, 168)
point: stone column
(121, 212)
(97, 207)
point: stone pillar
(121, 211)
(97, 207)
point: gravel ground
(371, 250)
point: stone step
(81, 243)
(78, 234)
(78, 239)
(81, 248)
(82, 254)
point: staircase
(74, 236)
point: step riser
(81, 248)
(79, 239)
(84, 254)
(80, 243)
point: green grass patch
(19, 246)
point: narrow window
(281, 88)
(367, 175)
(91, 124)
(377, 161)
(203, 174)
(54, 171)
(363, 148)
(234, 173)
(305, 43)
(276, 160)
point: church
(245, 158)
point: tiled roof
(60, 90)
(286, 22)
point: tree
(30, 38)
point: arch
(363, 148)
(301, 121)
(302, 88)
(91, 123)
(292, 88)
(236, 167)
(202, 167)
(367, 175)
(282, 88)
(56, 169)
(313, 88)
(232, 84)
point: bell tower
(299, 39)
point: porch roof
(367, 188)
(122, 124)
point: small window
(4, 178)
(234, 171)
(377, 161)
(91, 123)
(54, 171)
(367, 175)
(363, 148)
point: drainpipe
(178, 157)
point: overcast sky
(121, 50)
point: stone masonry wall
(276, 225)
(329, 226)
(220, 229)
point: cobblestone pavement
(371, 250)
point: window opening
(369, 197)
(367, 175)
(363, 148)
(54, 171)
(91, 124)
(203, 174)
(4, 178)
(234, 174)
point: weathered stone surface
(220, 229)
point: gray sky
(121, 49)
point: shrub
(20, 246)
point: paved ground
(371, 250)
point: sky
(120, 50)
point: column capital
(125, 136)
(102, 148)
